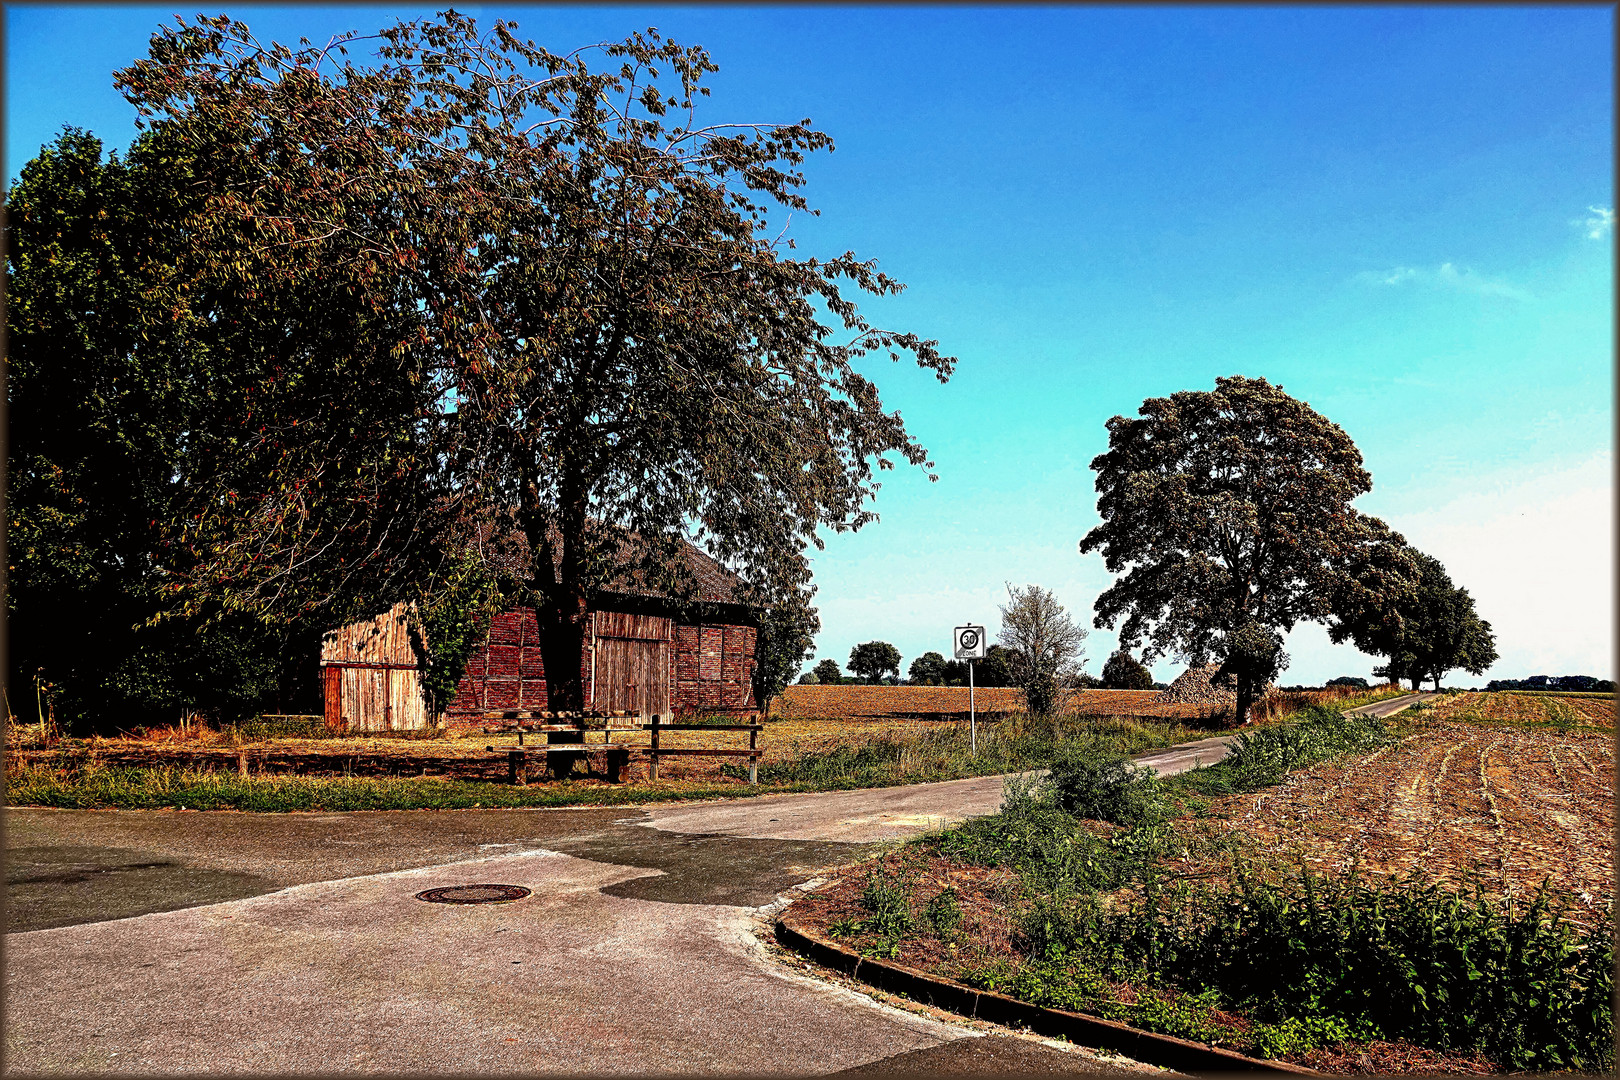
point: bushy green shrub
(1457, 971)
(1263, 757)
(1105, 787)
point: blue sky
(1402, 215)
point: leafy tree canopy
(927, 670)
(1424, 633)
(1122, 671)
(1045, 646)
(873, 660)
(1227, 518)
(583, 280)
(829, 672)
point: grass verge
(939, 752)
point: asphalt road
(174, 941)
(171, 941)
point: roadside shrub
(1458, 971)
(888, 904)
(1106, 787)
(1263, 757)
(944, 912)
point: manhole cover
(474, 894)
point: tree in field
(1124, 672)
(829, 672)
(619, 350)
(1227, 516)
(873, 660)
(998, 668)
(1046, 647)
(1423, 634)
(927, 670)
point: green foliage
(1262, 757)
(1105, 787)
(787, 638)
(1455, 971)
(944, 913)
(874, 659)
(928, 670)
(1425, 632)
(1124, 672)
(829, 672)
(1227, 509)
(889, 920)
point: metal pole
(973, 716)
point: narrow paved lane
(208, 942)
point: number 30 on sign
(968, 642)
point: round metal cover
(474, 894)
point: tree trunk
(1416, 681)
(1245, 701)
(561, 605)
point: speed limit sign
(968, 642)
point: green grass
(943, 752)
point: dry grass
(869, 702)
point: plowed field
(851, 702)
(1510, 805)
(1526, 708)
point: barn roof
(715, 584)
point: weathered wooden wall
(646, 663)
(370, 678)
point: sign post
(967, 642)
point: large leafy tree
(1123, 672)
(623, 352)
(1227, 516)
(207, 465)
(1423, 633)
(872, 660)
(927, 670)
(1046, 648)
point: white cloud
(1448, 276)
(1600, 224)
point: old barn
(643, 653)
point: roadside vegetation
(1104, 890)
(828, 760)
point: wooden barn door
(632, 663)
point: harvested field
(1533, 708)
(951, 702)
(1510, 806)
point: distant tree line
(1587, 683)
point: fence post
(753, 745)
(652, 755)
(517, 770)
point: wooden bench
(564, 752)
